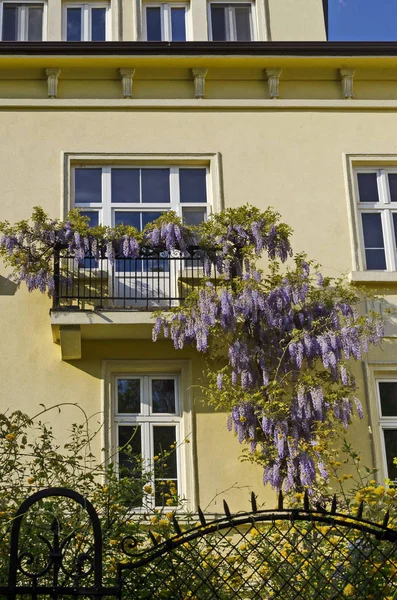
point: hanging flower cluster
(29, 247)
(287, 381)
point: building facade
(129, 108)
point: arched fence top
(311, 552)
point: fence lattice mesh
(278, 559)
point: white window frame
(210, 160)
(231, 34)
(107, 208)
(385, 208)
(86, 9)
(165, 12)
(180, 370)
(384, 422)
(23, 18)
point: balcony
(92, 293)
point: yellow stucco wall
(290, 159)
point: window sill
(373, 276)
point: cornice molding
(308, 49)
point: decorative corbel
(52, 81)
(199, 76)
(127, 76)
(347, 76)
(273, 78)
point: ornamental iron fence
(155, 280)
(286, 553)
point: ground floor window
(387, 404)
(148, 410)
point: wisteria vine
(291, 335)
(286, 381)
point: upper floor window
(231, 22)
(86, 22)
(165, 22)
(387, 396)
(377, 208)
(21, 22)
(135, 195)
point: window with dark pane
(10, 23)
(153, 24)
(218, 23)
(165, 467)
(35, 23)
(373, 241)
(193, 185)
(156, 186)
(178, 24)
(368, 187)
(129, 396)
(390, 437)
(125, 185)
(392, 177)
(242, 16)
(93, 220)
(130, 451)
(88, 186)
(73, 24)
(98, 24)
(163, 396)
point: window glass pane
(373, 241)
(123, 217)
(153, 24)
(243, 23)
(391, 452)
(35, 23)
(92, 215)
(98, 24)
(149, 217)
(393, 186)
(368, 187)
(155, 185)
(129, 395)
(163, 438)
(194, 216)
(388, 398)
(125, 185)
(218, 23)
(130, 463)
(192, 185)
(163, 396)
(10, 23)
(73, 24)
(178, 24)
(88, 186)
(395, 227)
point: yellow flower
(31, 479)
(349, 590)
(380, 490)
(148, 489)
(164, 523)
(113, 542)
(169, 515)
(10, 437)
(154, 520)
(169, 502)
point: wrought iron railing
(156, 279)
